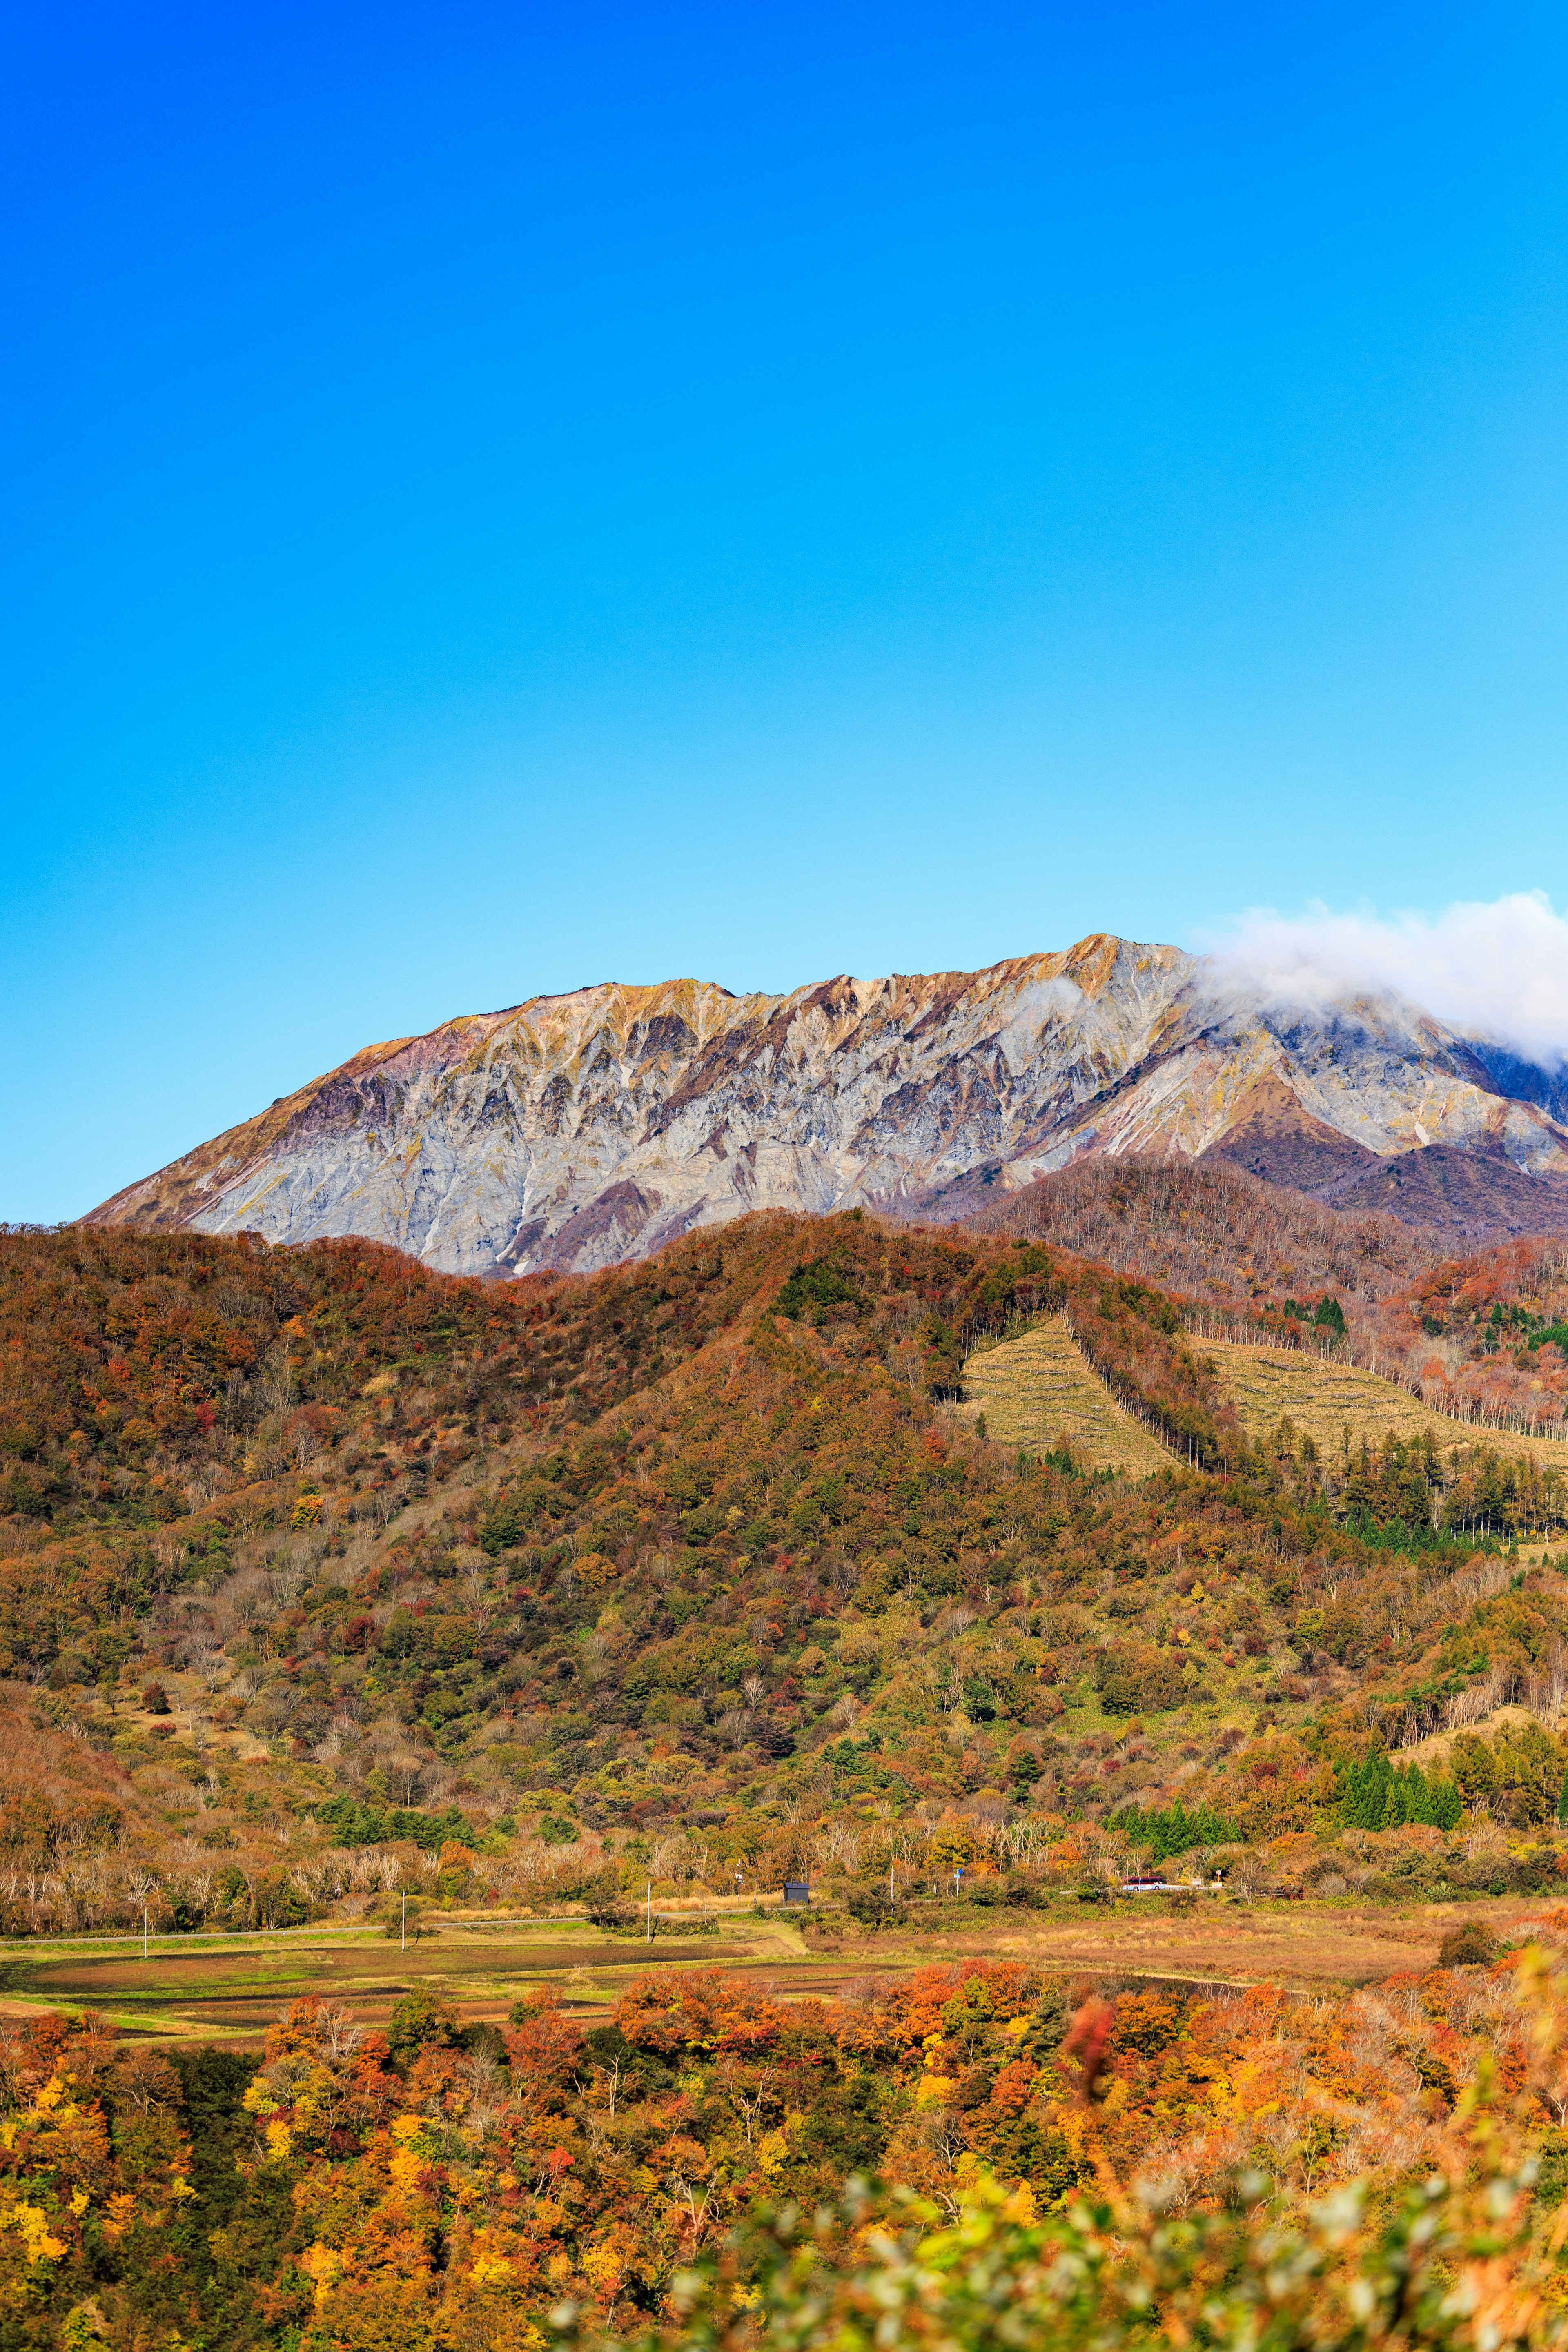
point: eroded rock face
(577, 1130)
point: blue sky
(503, 498)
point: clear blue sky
(501, 497)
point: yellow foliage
(604, 2263)
(118, 2216)
(490, 2269)
(323, 2265)
(32, 2225)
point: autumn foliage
(438, 2186)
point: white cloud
(1497, 970)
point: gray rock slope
(577, 1130)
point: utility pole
(404, 1945)
(143, 1931)
(649, 1938)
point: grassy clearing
(1039, 1392)
(1312, 1946)
(1325, 1399)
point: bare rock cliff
(576, 1131)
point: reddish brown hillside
(1210, 1231)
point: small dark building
(796, 1891)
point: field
(228, 1991)
(1039, 1392)
(1325, 1399)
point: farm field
(229, 1993)
(1039, 1389)
(1323, 1399)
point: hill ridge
(580, 1129)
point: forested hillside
(1204, 1229)
(332, 1585)
(326, 1575)
(1482, 1336)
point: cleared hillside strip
(1038, 1390)
(1324, 1399)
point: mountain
(576, 1131)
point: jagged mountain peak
(579, 1128)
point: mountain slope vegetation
(1482, 1337)
(331, 1586)
(333, 1569)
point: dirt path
(1039, 1389)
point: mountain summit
(577, 1130)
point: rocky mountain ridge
(580, 1129)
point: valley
(200, 1991)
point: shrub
(1471, 1944)
(422, 2018)
(1135, 1678)
(874, 1908)
(606, 1908)
(1093, 2271)
(410, 1922)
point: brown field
(1040, 1392)
(230, 1994)
(1324, 1399)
